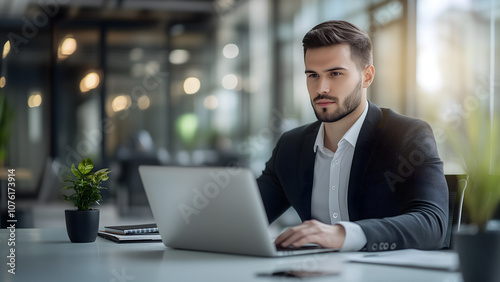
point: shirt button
(333, 188)
(336, 162)
(335, 215)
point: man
(361, 177)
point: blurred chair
(50, 185)
(457, 184)
(47, 190)
(138, 150)
(131, 197)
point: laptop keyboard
(292, 248)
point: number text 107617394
(11, 220)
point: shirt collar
(350, 136)
(320, 140)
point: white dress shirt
(331, 182)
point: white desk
(47, 255)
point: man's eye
(312, 75)
(335, 73)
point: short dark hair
(338, 32)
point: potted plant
(82, 223)
(478, 247)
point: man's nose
(323, 86)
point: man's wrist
(354, 239)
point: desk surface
(47, 255)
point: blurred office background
(211, 82)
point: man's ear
(368, 75)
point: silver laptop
(212, 209)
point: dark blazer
(397, 190)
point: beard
(351, 102)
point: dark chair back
(456, 184)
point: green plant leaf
(86, 185)
(103, 174)
(75, 171)
(69, 187)
(67, 175)
(103, 171)
(85, 166)
(477, 144)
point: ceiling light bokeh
(6, 49)
(35, 99)
(230, 81)
(178, 56)
(211, 102)
(230, 51)
(89, 82)
(191, 85)
(143, 102)
(67, 47)
(121, 102)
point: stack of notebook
(131, 233)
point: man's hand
(313, 231)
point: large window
(456, 60)
(26, 85)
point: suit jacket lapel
(307, 157)
(367, 139)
